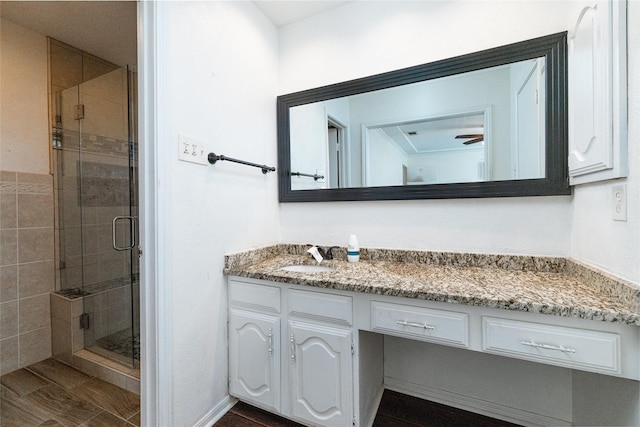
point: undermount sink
(307, 268)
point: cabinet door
(320, 374)
(254, 358)
(597, 93)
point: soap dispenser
(353, 249)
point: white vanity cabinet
(320, 374)
(254, 344)
(315, 355)
(291, 351)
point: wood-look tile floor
(396, 410)
(51, 393)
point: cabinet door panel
(597, 88)
(320, 374)
(254, 354)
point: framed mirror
(487, 124)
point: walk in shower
(96, 170)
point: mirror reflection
(479, 126)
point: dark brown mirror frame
(556, 181)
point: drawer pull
(270, 338)
(293, 349)
(414, 325)
(549, 346)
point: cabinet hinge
(353, 422)
(353, 348)
(84, 321)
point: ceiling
(286, 12)
(107, 29)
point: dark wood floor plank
(17, 412)
(105, 419)
(261, 417)
(59, 373)
(234, 420)
(23, 382)
(65, 407)
(113, 399)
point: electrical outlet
(191, 150)
(619, 194)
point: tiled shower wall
(26, 268)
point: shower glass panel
(98, 210)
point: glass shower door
(99, 150)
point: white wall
(385, 160)
(365, 38)
(217, 71)
(595, 237)
(374, 37)
(23, 100)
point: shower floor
(121, 343)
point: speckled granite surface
(554, 286)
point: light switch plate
(619, 202)
(192, 150)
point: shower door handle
(132, 232)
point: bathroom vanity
(309, 345)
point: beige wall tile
(35, 210)
(35, 244)
(8, 319)
(77, 307)
(35, 178)
(60, 308)
(35, 278)
(8, 247)
(8, 283)
(9, 355)
(133, 385)
(61, 340)
(72, 245)
(8, 211)
(86, 366)
(78, 335)
(35, 313)
(71, 277)
(90, 239)
(70, 212)
(7, 176)
(112, 376)
(35, 346)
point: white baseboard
(217, 412)
(472, 404)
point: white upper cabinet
(598, 93)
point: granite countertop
(554, 286)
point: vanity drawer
(426, 324)
(254, 296)
(321, 306)
(557, 345)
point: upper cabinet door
(598, 93)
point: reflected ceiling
(436, 134)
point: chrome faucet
(319, 254)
